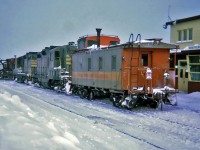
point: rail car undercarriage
(128, 101)
(141, 99)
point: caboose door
(145, 61)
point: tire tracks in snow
(87, 117)
(96, 119)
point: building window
(179, 35)
(100, 63)
(184, 35)
(194, 67)
(113, 63)
(89, 64)
(190, 34)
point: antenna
(169, 18)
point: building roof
(192, 49)
(181, 20)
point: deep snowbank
(24, 129)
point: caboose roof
(150, 43)
(93, 35)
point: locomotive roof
(32, 53)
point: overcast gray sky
(31, 25)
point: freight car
(129, 73)
(54, 65)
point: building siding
(194, 24)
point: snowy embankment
(35, 118)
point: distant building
(186, 33)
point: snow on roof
(94, 46)
(187, 48)
(147, 43)
(192, 47)
(144, 41)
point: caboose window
(144, 59)
(100, 63)
(113, 42)
(113, 63)
(91, 42)
(89, 64)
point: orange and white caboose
(132, 74)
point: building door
(182, 76)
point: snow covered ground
(40, 119)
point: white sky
(31, 25)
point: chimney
(98, 36)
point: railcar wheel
(132, 104)
(74, 91)
(116, 101)
(84, 93)
(153, 104)
(81, 94)
(172, 98)
(160, 105)
(91, 95)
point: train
(7, 68)
(131, 74)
